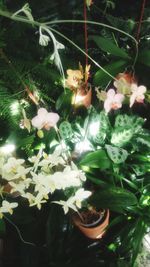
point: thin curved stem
(80, 49)
(99, 24)
(18, 231)
(38, 24)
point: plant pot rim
(95, 232)
(101, 214)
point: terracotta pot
(83, 97)
(94, 230)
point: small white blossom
(113, 101)
(35, 200)
(81, 195)
(44, 184)
(75, 201)
(21, 186)
(7, 207)
(13, 169)
(137, 94)
(52, 159)
(66, 205)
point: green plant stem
(99, 24)
(38, 24)
(18, 231)
(80, 49)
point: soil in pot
(91, 223)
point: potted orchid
(43, 174)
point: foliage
(108, 142)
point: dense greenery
(118, 165)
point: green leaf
(121, 136)
(104, 128)
(144, 57)
(65, 130)
(104, 121)
(128, 121)
(108, 46)
(97, 159)
(101, 78)
(64, 100)
(97, 181)
(144, 140)
(114, 198)
(122, 121)
(139, 232)
(116, 154)
(130, 183)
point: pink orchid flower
(44, 119)
(137, 94)
(113, 100)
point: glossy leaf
(114, 198)
(144, 57)
(116, 154)
(140, 230)
(108, 46)
(121, 136)
(65, 130)
(64, 100)
(101, 78)
(97, 159)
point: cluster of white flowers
(47, 174)
(74, 202)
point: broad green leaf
(144, 140)
(130, 183)
(104, 128)
(97, 159)
(117, 220)
(65, 130)
(101, 78)
(104, 121)
(121, 136)
(64, 100)
(138, 236)
(97, 181)
(108, 46)
(116, 154)
(144, 57)
(123, 120)
(115, 198)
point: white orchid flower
(21, 186)
(81, 195)
(52, 159)
(137, 94)
(66, 205)
(13, 169)
(113, 100)
(7, 207)
(35, 200)
(45, 119)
